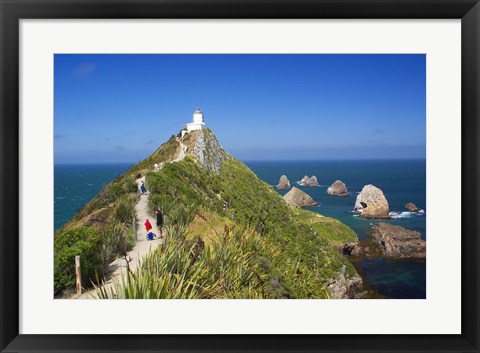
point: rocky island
(411, 207)
(299, 198)
(283, 183)
(371, 203)
(338, 188)
(309, 181)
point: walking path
(181, 154)
(142, 247)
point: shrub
(130, 185)
(124, 210)
(78, 241)
(113, 243)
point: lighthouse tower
(198, 123)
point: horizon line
(271, 160)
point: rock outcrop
(208, 151)
(395, 241)
(371, 203)
(299, 198)
(309, 181)
(338, 188)
(284, 183)
(411, 207)
(346, 287)
(350, 249)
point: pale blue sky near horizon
(112, 108)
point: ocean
(76, 184)
(401, 181)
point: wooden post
(78, 274)
(134, 223)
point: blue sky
(120, 108)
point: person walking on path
(159, 222)
(142, 188)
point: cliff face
(208, 151)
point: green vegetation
(164, 153)
(327, 228)
(101, 230)
(80, 241)
(228, 234)
(298, 259)
(97, 249)
(228, 268)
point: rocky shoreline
(386, 240)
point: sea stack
(299, 198)
(309, 181)
(338, 188)
(284, 183)
(371, 203)
(411, 207)
(398, 242)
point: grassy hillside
(298, 259)
(229, 234)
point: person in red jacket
(148, 225)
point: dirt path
(181, 154)
(142, 247)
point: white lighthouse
(198, 123)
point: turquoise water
(77, 184)
(401, 181)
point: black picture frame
(12, 11)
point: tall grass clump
(227, 268)
(124, 209)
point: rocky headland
(338, 188)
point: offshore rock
(371, 203)
(309, 181)
(284, 183)
(411, 207)
(395, 241)
(299, 198)
(338, 188)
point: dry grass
(208, 225)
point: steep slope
(242, 239)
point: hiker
(142, 188)
(148, 225)
(159, 222)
